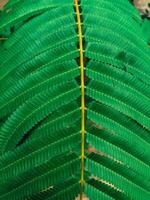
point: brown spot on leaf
(2, 3)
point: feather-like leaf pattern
(74, 101)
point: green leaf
(63, 59)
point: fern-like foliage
(41, 126)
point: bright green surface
(40, 116)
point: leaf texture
(42, 85)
